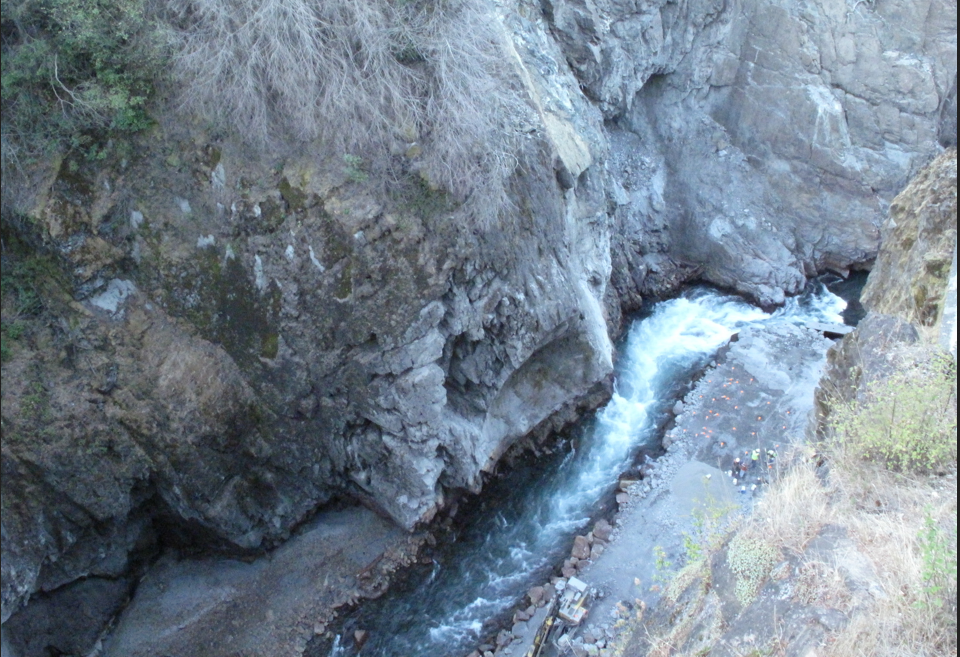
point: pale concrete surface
(271, 606)
(758, 394)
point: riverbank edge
(653, 491)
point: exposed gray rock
(743, 131)
(267, 607)
(289, 334)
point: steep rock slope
(829, 560)
(760, 141)
(907, 289)
(919, 241)
(234, 340)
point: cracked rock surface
(234, 342)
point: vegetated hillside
(853, 550)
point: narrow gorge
(261, 344)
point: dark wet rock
(67, 621)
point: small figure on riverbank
(771, 458)
(755, 457)
(735, 469)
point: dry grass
(902, 518)
(820, 583)
(885, 514)
(794, 509)
(885, 588)
(412, 80)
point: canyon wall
(227, 341)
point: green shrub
(76, 71)
(906, 421)
(750, 558)
(939, 550)
(711, 524)
(662, 565)
(354, 168)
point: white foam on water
(679, 335)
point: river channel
(517, 531)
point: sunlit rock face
(911, 276)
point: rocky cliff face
(760, 142)
(920, 237)
(908, 288)
(229, 342)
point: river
(514, 535)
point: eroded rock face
(920, 236)
(242, 340)
(238, 343)
(759, 142)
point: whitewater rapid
(518, 540)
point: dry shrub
(886, 515)
(821, 584)
(794, 508)
(378, 79)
